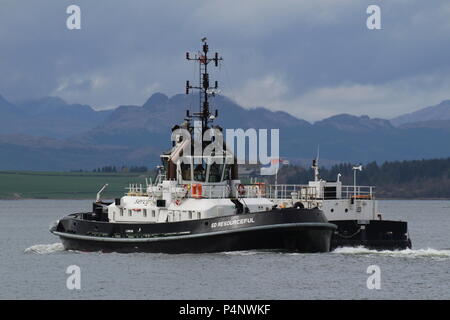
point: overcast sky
(312, 59)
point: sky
(311, 58)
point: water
(33, 264)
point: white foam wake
(45, 248)
(407, 253)
(250, 252)
(241, 253)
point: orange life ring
(261, 187)
(197, 191)
(362, 196)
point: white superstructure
(192, 185)
(189, 191)
(338, 201)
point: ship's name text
(232, 222)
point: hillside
(48, 117)
(418, 179)
(437, 112)
(50, 134)
(397, 179)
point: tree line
(397, 179)
(114, 169)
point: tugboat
(197, 203)
(353, 209)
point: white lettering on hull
(232, 222)
(144, 202)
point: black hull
(295, 239)
(299, 230)
(372, 234)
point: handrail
(279, 191)
(307, 192)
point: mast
(204, 115)
(206, 91)
(315, 166)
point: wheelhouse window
(186, 171)
(165, 163)
(215, 172)
(227, 173)
(200, 171)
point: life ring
(178, 202)
(299, 205)
(241, 189)
(197, 192)
(362, 196)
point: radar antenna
(204, 87)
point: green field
(65, 185)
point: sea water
(33, 263)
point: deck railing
(261, 190)
(306, 192)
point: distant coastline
(39, 185)
(25, 185)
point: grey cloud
(314, 53)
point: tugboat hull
(291, 229)
(372, 234)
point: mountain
(50, 134)
(48, 117)
(431, 124)
(6, 107)
(137, 125)
(439, 112)
(349, 123)
(24, 152)
(342, 137)
(157, 100)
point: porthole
(332, 210)
(346, 210)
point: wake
(45, 248)
(406, 253)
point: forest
(397, 179)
